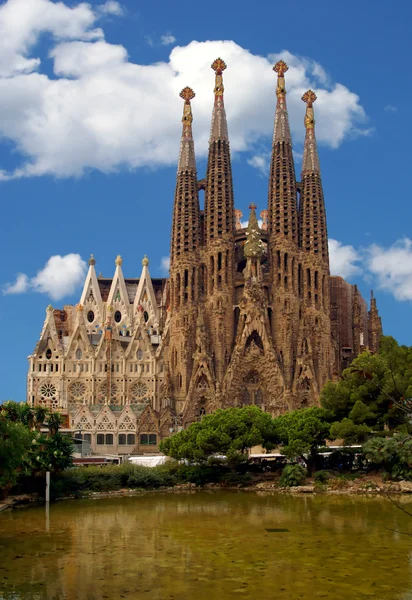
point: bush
(293, 475)
(322, 477)
(112, 478)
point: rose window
(139, 390)
(48, 390)
(77, 390)
(113, 390)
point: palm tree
(40, 415)
(54, 422)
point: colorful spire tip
(187, 94)
(281, 68)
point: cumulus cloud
(392, 267)
(344, 259)
(20, 286)
(165, 264)
(167, 39)
(111, 7)
(113, 113)
(260, 162)
(60, 277)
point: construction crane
(108, 335)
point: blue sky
(90, 127)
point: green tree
(229, 432)
(302, 433)
(371, 392)
(15, 442)
(393, 454)
(25, 450)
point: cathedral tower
(314, 346)
(283, 237)
(219, 227)
(184, 260)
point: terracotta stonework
(249, 315)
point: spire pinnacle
(187, 159)
(219, 123)
(282, 130)
(253, 246)
(145, 261)
(309, 98)
(92, 260)
(218, 66)
(310, 162)
(187, 94)
(119, 261)
(280, 68)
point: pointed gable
(149, 420)
(119, 299)
(91, 300)
(146, 298)
(49, 337)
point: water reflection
(207, 546)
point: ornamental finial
(280, 68)
(218, 66)
(118, 261)
(49, 308)
(187, 94)
(92, 260)
(145, 261)
(309, 98)
(79, 307)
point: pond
(206, 546)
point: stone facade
(249, 315)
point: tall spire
(187, 160)
(282, 209)
(310, 162)
(219, 203)
(185, 231)
(374, 325)
(313, 230)
(218, 130)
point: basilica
(248, 315)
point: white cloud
(113, 113)
(20, 286)
(390, 108)
(392, 267)
(167, 39)
(111, 7)
(165, 264)
(260, 162)
(60, 277)
(343, 259)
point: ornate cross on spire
(309, 98)
(252, 206)
(187, 94)
(280, 68)
(218, 66)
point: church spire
(185, 230)
(313, 231)
(282, 209)
(374, 325)
(310, 162)
(219, 203)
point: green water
(203, 546)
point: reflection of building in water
(249, 315)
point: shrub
(322, 477)
(292, 475)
